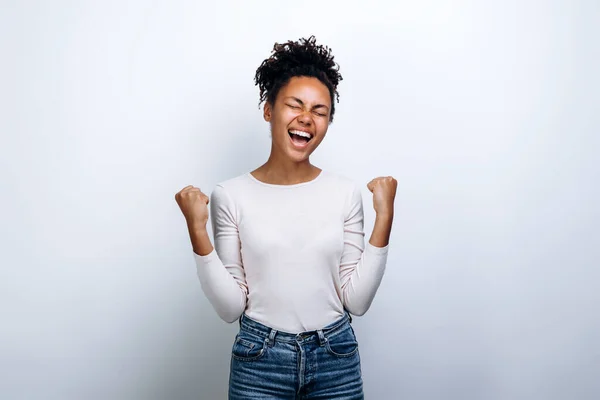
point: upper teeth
(300, 133)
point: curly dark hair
(301, 58)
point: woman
(289, 261)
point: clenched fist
(194, 206)
(384, 193)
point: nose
(305, 118)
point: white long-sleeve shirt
(290, 256)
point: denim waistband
(272, 335)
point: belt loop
(349, 316)
(322, 338)
(271, 338)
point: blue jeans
(267, 364)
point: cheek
(285, 118)
(322, 126)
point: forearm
(366, 274)
(226, 293)
(223, 285)
(200, 240)
(382, 229)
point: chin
(297, 158)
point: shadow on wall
(204, 372)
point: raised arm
(362, 266)
(219, 268)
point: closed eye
(297, 108)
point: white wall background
(486, 112)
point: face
(302, 106)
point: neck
(286, 172)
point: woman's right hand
(194, 206)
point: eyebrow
(302, 103)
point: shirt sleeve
(221, 272)
(361, 266)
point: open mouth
(300, 138)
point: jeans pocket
(248, 347)
(342, 344)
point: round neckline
(274, 185)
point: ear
(267, 111)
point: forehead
(307, 89)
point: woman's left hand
(384, 193)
